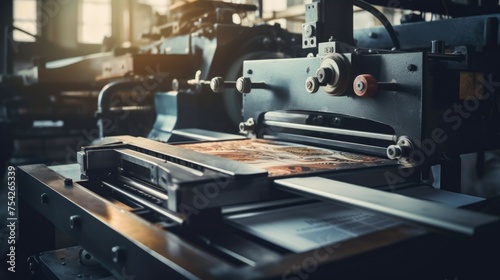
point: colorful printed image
(281, 158)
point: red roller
(365, 85)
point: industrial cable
(24, 31)
(381, 17)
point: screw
(75, 221)
(411, 67)
(394, 152)
(248, 126)
(217, 85)
(309, 85)
(44, 198)
(308, 31)
(337, 121)
(118, 254)
(68, 182)
(312, 84)
(318, 120)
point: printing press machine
(331, 179)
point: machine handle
(243, 85)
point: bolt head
(68, 182)
(308, 30)
(75, 221)
(118, 254)
(312, 85)
(394, 152)
(360, 85)
(244, 85)
(411, 67)
(44, 198)
(217, 85)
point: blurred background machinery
(96, 73)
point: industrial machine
(329, 178)
(205, 34)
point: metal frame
(127, 245)
(469, 31)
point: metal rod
(173, 216)
(371, 135)
(374, 150)
(142, 187)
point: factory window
(25, 18)
(269, 7)
(159, 6)
(95, 21)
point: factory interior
(249, 139)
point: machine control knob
(243, 85)
(308, 30)
(218, 85)
(334, 74)
(312, 84)
(325, 75)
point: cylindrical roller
(365, 85)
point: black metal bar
(6, 50)
(491, 32)
(336, 20)
(443, 7)
(451, 169)
(468, 31)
